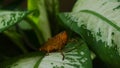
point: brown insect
(56, 43)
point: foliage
(98, 27)
(92, 28)
(80, 55)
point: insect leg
(63, 56)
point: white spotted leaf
(78, 56)
(98, 22)
(9, 18)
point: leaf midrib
(102, 17)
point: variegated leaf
(97, 21)
(9, 18)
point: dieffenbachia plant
(76, 55)
(39, 19)
(98, 23)
(9, 18)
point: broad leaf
(77, 56)
(97, 21)
(25, 61)
(39, 19)
(9, 18)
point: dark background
(65, 5)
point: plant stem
(40, 20)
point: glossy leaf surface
(9, 18)
(78, 56)
(98, 24)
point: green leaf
(39, 19)
(24, 61)
(98, 24)
(9, 18)
(78, 56)
(24, 25)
